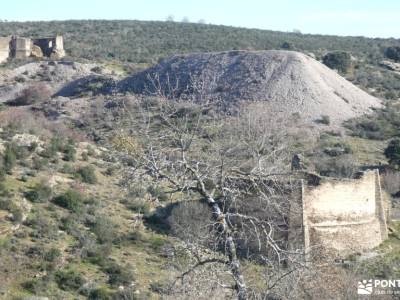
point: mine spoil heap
(287, 82)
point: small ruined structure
(21, 47)
(340, 216)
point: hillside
(108, 192)
(142, 43)
(147, 41)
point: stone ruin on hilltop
(22, 48)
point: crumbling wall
(344, 216)
(51, 47)
(21, 47)
(4, 48)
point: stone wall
(4, 48)
(344, 216)
(51, 47)
(21, 48)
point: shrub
(5, 203)
(391, 182)
(69, 279)
(110, 171)
(392, 152)
(338, 60)
(52, 255)
(90, 151)
(137, 191)
(160, 287)
(118, 275)
(39, 193)
(33, 94)
(44, 227)
(157, 192)
(17, 214)
(67, 169)
(87, 174)
(393, 53)
(9, 159)
(71, 200)
(37, 285)
(3, 170)
(105, 229)
(326, 120)
(101, 293)
(39, 163)
(137, 205)
(69, 152)
(287, 46)
(55, 145)
(344, 166)
(85, 156)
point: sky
(372, 18)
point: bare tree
(233, 165)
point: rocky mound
(60, 76)
(289, 82)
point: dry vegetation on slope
(132, 221)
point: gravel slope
(289, 82)
(55, 74)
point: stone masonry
(340, 216)
(22, 48)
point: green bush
(393, 53)
(392, 151)
(101, 293)
(87, 174)
(39, 193)
(55, 145)
(67, 169)
(339, 60)
(110, 171)
(69, 152)
(71, 200)
(117, 274)
(137, 205)
(52, 255)
(39, 163)
(42, 225)
(157, 192)
(90, 151)
(69, 279)
(17, 214)
(105, 229)
(3, 170)
(85, 156)
(9, 159)
(37, 285)
(5, 203)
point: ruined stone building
(21, 48)
(340, 216)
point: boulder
(36, 51)
(57, 54)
